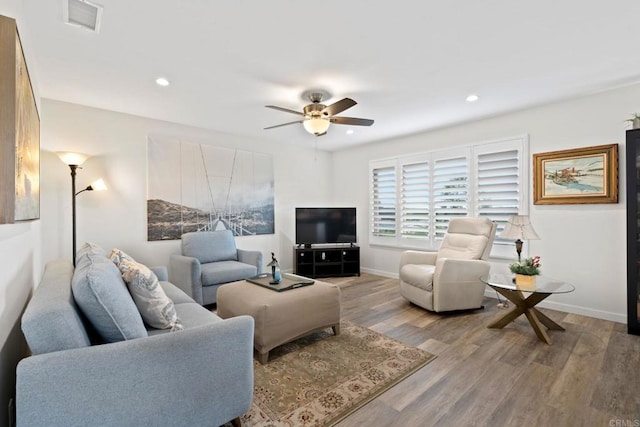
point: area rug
(320, 379)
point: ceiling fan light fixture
(316, 117)
(316, 125)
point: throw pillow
(117, 256)
(103, 298)
(89, 248)
(153, 303)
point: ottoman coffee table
(281, 317)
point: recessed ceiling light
(349, 131)
(472, 98)
(161, 81)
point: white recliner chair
(449, 279)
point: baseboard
(574, 309)
(379, 273)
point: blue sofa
(202, 375)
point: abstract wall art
(20, 130)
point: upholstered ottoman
(281, 317)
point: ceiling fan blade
(351, 121)
(338, 107)
(286, 110)
(285, 124)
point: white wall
(117, 144)
(581, 244)
(20, 261)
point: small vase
(276, 276)
(635, 123)
(525, 282)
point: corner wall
(582, 244)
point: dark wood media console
(327, 261)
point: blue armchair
(210, 259)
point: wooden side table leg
(537, 326)
(517, 299)
(506, 319)
(526, 306)
(546, 321)
(534, 299)
(532, 315)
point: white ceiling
(409, 64)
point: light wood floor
(590, 376)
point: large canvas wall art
(199, 187)
(20, 129)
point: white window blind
(450, 192)
(414, 203)
(384, 194)
(498, 189)
(414, 197)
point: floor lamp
(519, 227)
(74, 160)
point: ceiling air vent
(83, 14)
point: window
(450, 191)
(499, 185)
(413, 197)
(384, 201)
(415, 201)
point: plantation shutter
(414, 201)
(450, 192)
(413, 197)
(498, 187)
(384, 193)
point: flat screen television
(325, 225)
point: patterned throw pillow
(117, 256)
(154, 305)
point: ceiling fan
(317, 117)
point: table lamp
(519, 227)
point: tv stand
(327, 261)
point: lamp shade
(98, 185)
(316, 125)
(72, 158)
(519, 227)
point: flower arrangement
(528, 267)
(634, 120)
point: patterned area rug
(320, 379)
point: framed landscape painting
(582, 175)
